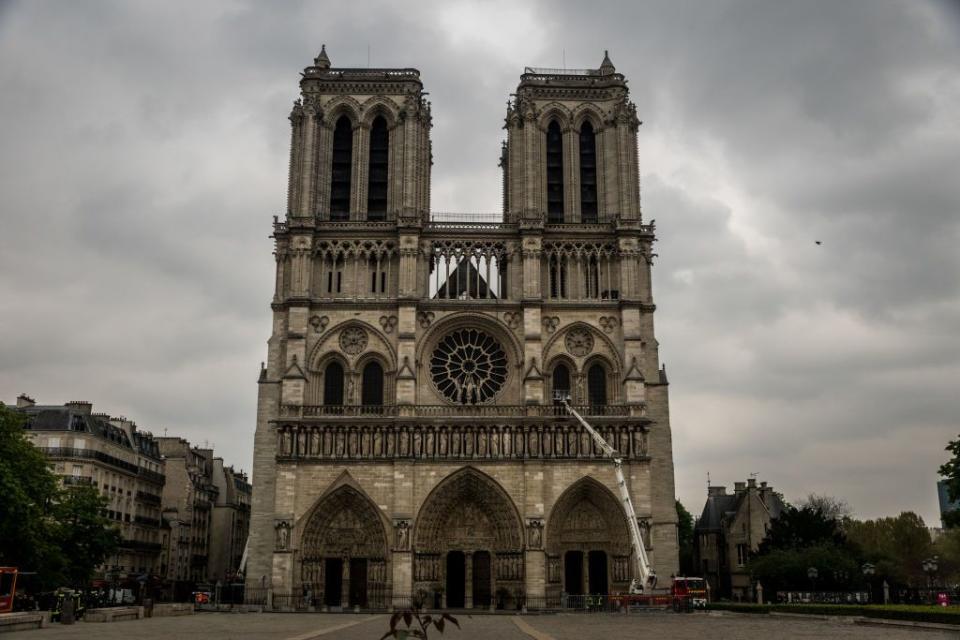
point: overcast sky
(143, 153)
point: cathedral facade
(408, 439)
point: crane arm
(644, 575)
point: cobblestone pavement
(666, 626)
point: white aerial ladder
(644, 577)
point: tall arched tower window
(341, 169)
(554, 172)
(561, 383)
(379, 167)
(372, 392)
(588, 174)
(597, 385)
(333, 385)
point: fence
(823, 597)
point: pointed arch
(554, 171)
(468, 510)
(341, 168)
(378, 169)
(588, 173)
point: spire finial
(322, 60)
(606, 67)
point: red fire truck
(8, 587)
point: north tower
(407, 437)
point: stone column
(585, 586)
(468, 587)
(345, 592)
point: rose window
(468, 366)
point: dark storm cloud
(144, 151)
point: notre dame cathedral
(408, 436)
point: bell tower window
(341, 168)
(554, 173)
(379, 167)
(588, 174)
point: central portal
(456, 580)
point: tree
(86, 537)
(685, 539)
(896, 546)
(30, 493)
(829, 506)
(802, 538)
(950, 470)
(61, 534)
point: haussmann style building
(408, 440)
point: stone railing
(460, 411)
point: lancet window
(378, 170)
(588, 174)
(341, 169)
(461, 270)
(554, 172)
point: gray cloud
(144, 151)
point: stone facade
(407, 435)
(731, 527)
(230, 522)
(122, 462)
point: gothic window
(372, 392)
(468, 367)
(554, 173)
(592, 284)
(341, 169)
(333, 385)
(597, 385)
(377, 186)
(561, 383)
(588, 174)
(335, 275)
(558, 277)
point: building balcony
(76, 480)
(89, 454)
(139, 545)
(152, 476)
(144, 520)
(149, 498)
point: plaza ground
(280, 626)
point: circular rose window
(468, 366)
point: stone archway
(344, 551)
(468, 542)
(587, 542)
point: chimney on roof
(752, 483)
(716, 490)
(24, 401)
(739, 487)
(80, 406)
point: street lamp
(868, 571)
(930, 566)
(812, 573)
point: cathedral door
(597, 566)
(456, 579)
(573, 573)
(333, 582)
(481, 579)
(358, 582)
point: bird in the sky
(817, 242)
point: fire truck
(8, 588)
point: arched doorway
(468, 542)
(344, 551)
(587, 536)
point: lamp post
(930, 566)
(812, 573)
(868, 571)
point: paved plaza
(279, 626)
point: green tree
(897, 546)
(950, 470)
(802, 538)
(30, 495)
(62, 534)
(685, 539)
(86, 537)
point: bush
(910, 613)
